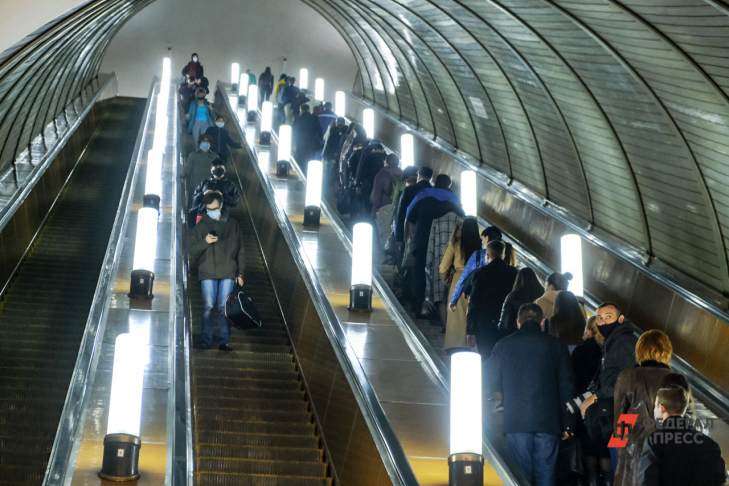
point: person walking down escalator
(198, 164)
(221, 139)
(307, 138)
(265, 84)
(200, 116)
(193, 69)
(333, 141)
(216, 247)
(217, 182)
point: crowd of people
(559, 379)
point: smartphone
(214, 233)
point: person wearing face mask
(218, 182)
(677, 454)
(216, 246)
(221, 139)
(193, 68)
(198, 164)
(618, 354)
(200, 116)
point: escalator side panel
(44, 310)
(354, 455)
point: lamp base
(282, 168)
(121, 458)
(234, 87)
(151, 201)
(141, 284)
(264, 138)
(251, 117)
(465, 470)
(312, 215)
(360, 298)
(241, 100)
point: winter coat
(221, 141)
(326, 118)
(383, 186)
(333, 140)
(531, 370)
(407, 196)
(635, 392)
(441, 232)
(618, 353)
(193, 69)
(307, 138)
(226, 187)
(665, 462)
(223, 259)
(486, 291)
(265, 82)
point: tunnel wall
(253, 32)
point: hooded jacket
(226, 187)
(223, 259)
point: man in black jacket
(677, 453)
(221, 140)
(618, 353)
(406, 197)
(530, 373)
(306, 137)
(487, 289)
(219, 183)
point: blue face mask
(205, 146)
(214, 214)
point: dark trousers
(536, 454)
(416, 284)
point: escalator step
(262, 453)
(221, 479)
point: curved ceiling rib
(616, 111)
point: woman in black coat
(525, 291)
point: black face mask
(607, 329)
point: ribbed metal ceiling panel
(616, 111)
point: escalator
(253, 424)
(44, 309)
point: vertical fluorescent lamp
(122, 441)
(266, 123)
(153, 180)
(469, 196)
(572, 262)
(166, 69)
(242, 86)
(145, 249)
(264, 160)
(319, 89)
(303, 79)
(340, 103)
(234, 75)
(312, 204)
(360, 293)
(407, 151)
(284, 150)
(252, 102)
(368, 122)
(465, 462)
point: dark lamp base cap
(360, 298)
(121, 458)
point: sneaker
(225, 347)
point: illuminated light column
(319, 89)
(312, 204)
(360, 292)
(283, 156)
(303, 79)
(264, 137)
(571, 252)
(407, 151)
(242, 87)
(252, 103)
(368, 122)
(469, 194)
(465, 462)
(234, 75)
(340, 103)
(123, 436)
(153, 180)
(145, 250)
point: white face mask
(194, 59)
(220, 124)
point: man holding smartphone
(217, 248)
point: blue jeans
(536, 454)
(215, 293)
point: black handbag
(599, 421)
(240, 310)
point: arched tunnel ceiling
(616, 111)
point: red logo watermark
(626, 422)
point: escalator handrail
(69, 427)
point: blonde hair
(653, 345)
